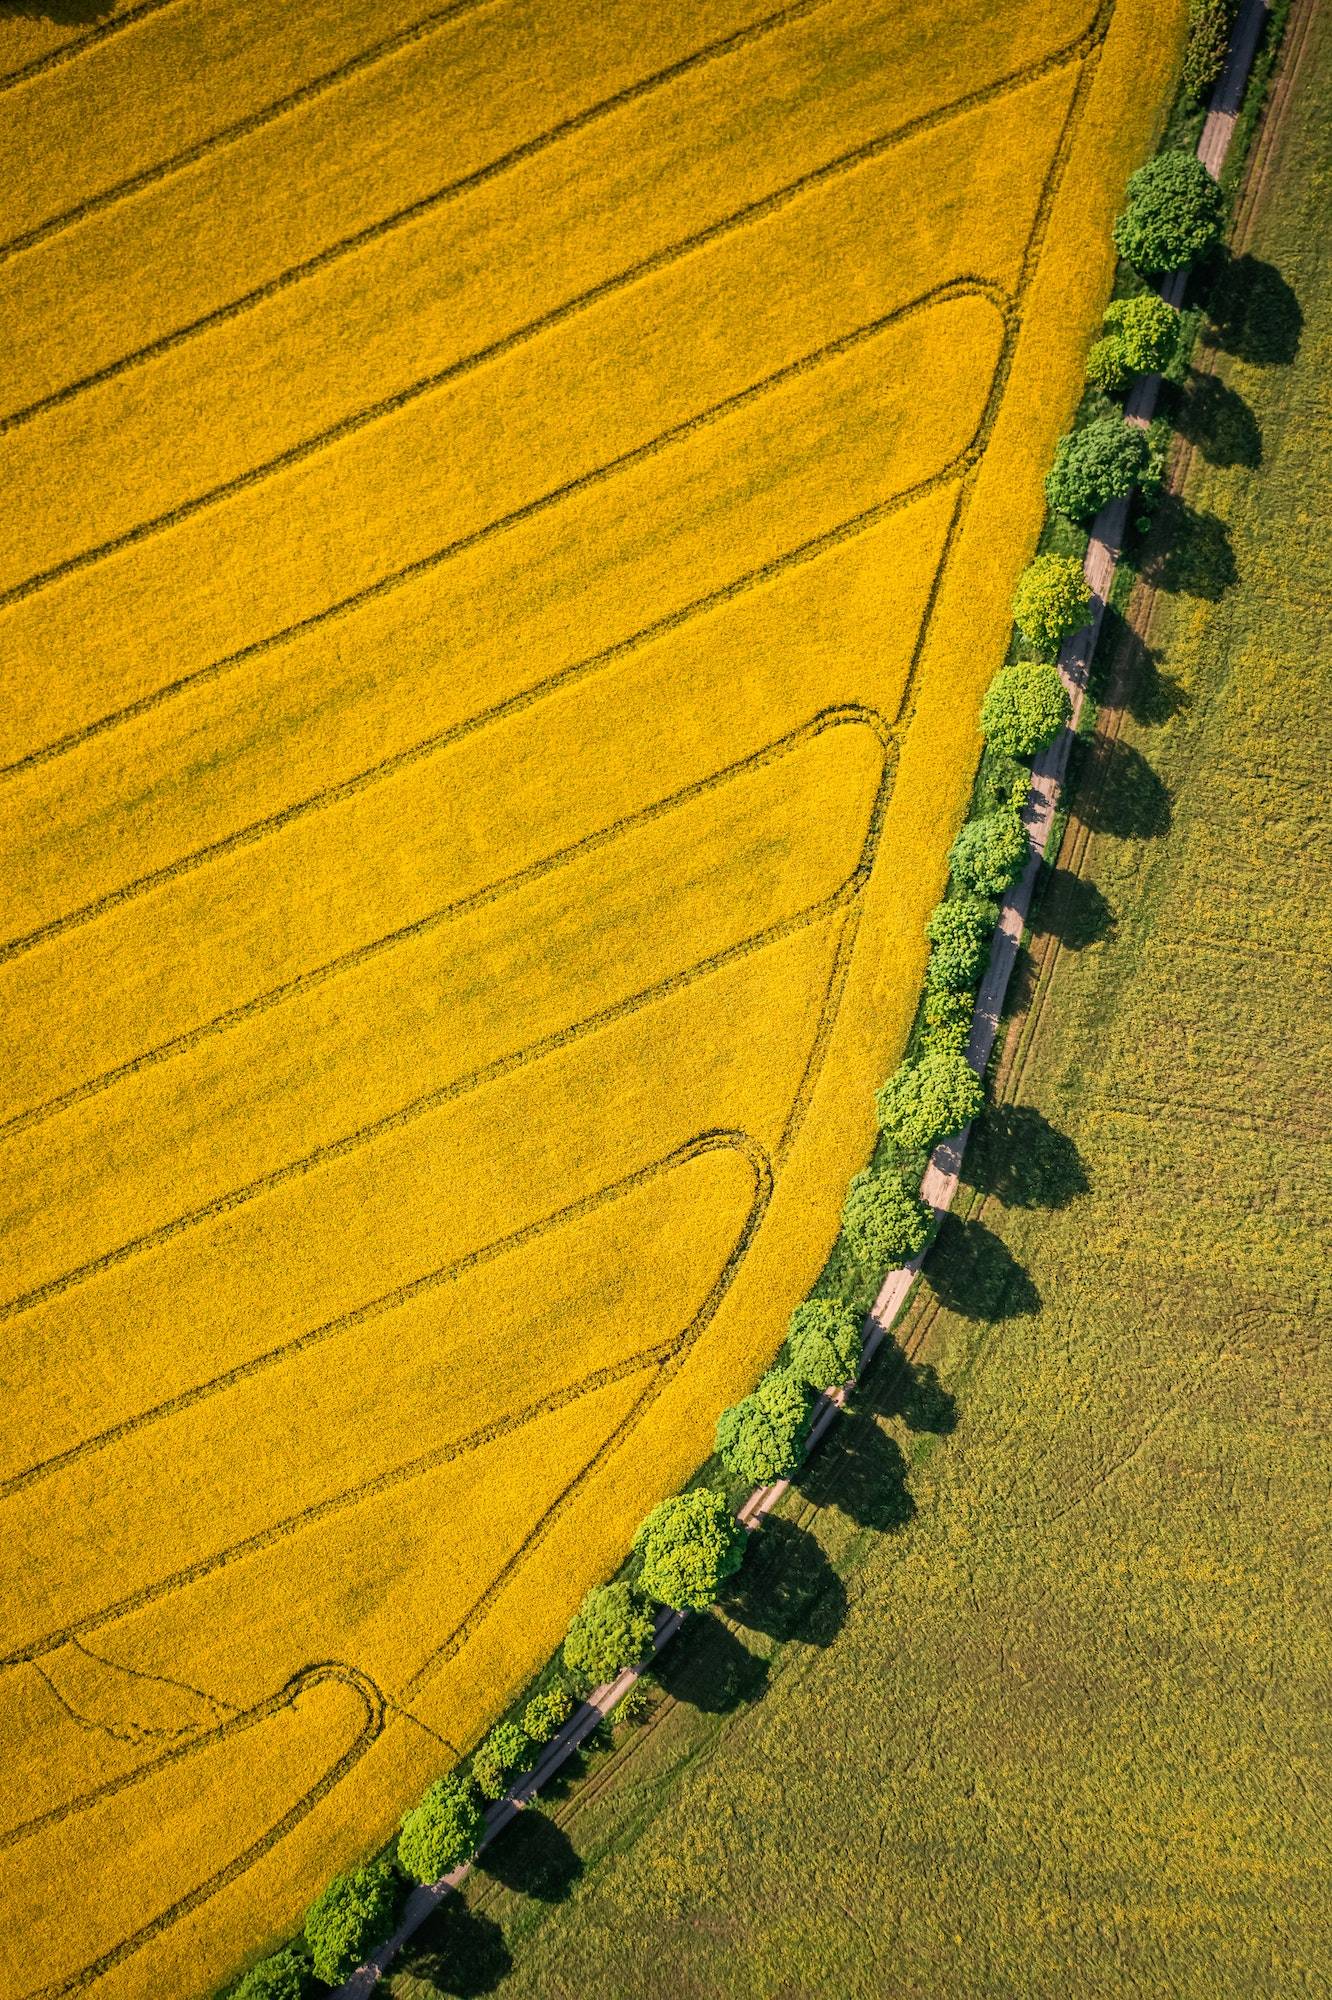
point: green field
(1036, 1702)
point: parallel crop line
(445, 913)
(369, 1309)
(412, 212)
(741, 218)
(613, 468)
(432, 1100)
(378, 52)
(67, 51)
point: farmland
(492, 683)
(1029, 1696)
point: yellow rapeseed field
(509, 512)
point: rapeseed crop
(493, 684)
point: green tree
(959, 929)
(929, 1100)
(689, 1545)
(546, 1713)
(885, 1219)
(1025, 707)
(1107, 365)
(1173, 212)
(285, 1976)
(611, 1629)
(354, 1914)
(1147, 330)
(443, 1830)
(1210, 23)
(947, 1019)
(1052, 599)
(507, 1749)
(762, 1438)
(990, 852)
(1094, 465)
(824, 1343)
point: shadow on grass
(459, 1952)
(1074, 911)
(1024, 1161)
(1189, 553)
(1218, 422)
(868, 1481)
(1255, 315)
(710, 1669)
(925, 1404)
(534, 1857)
(973, 1273)
(1121, 794)
(1149, 694)
(788, 1588)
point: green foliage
(1025, 707)
(689, 1545)
(507, 1749)
(1147, 329)
(991, 852)
(1107, 365)
(354, 1914)
(959, 930)
(612, 1629)
(762, 1438)
(635, 1704)
(546, 1713)
(823, 1340)
(1095, 465)
(929, 1100)
(885, 1219)
(284, 1976)
(1210, 23)
(443, 1830)
(1052, 599)
(1172, 214)
(947, 1018)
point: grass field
(510, 512)
(1039, 1706)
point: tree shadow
(1189, 553)
(973, 1273)
(1255, 314)
(1024, 1161)
(925, 1403)
(869, 1483)
(1074, 911)
(1149, 694)
(788, 1588)
(64, 13)
(1121, 794)
(710, 1669)
(534, 1857)
(1216, 419)
(459, 1952)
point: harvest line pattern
(312, 1676)
(741, 218)
(506, 885)
(502, 1066)
(828, 1014)
(727, 406)
(80, 44)
(365, 59)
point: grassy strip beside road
(1074, 1719)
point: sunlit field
(510, 514)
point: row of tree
(691, 1544)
